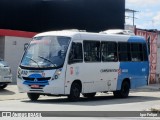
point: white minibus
(71, 63)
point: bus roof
(93, 36)
(66, 33)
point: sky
(148, 15)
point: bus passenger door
(92, 65)
(109, 65)
(74, 69)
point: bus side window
(92, 51)
(76, 54)
(136, 52)
(124, 51)
(109, 51)
(145, 54)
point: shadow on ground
(96, 101)
(6, 92)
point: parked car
(5, 74)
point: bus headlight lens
(10, 72)
(57, 74)
(19, 73)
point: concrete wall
(14, 49)
(2, 39)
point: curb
(151, 87)
(155, 110)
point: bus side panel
(136, 72)
(95, 77)
(88, 74)
(109, 74)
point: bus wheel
(33, 96)
(74, 92)
(89, 95)
(3, 86)
(124, 92)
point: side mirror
(71, 57)
(26, 46)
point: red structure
(152, 38)
(16, 33)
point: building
(12, 44)
(46, 15)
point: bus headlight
(57, 74)
(10, 72)
(19, 73)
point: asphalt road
(139, 100)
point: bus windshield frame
(46, 52)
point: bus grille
(38, 79)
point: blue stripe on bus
(36, 83)
(42, 82)
(136, 72)
(35, 76)
(136, 39)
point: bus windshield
(46, 51)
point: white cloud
(156, 19)
(145, 15)
(129, 22)
(143, 2)
(148, 15)
(145, 25)
(141, 24)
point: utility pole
(131, 11)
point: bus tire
(124, 92)
(33, 96)
(74, 92)
(89, 95)
(116, 94)
(3, 86)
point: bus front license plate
(34, 86)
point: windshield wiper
(33, 60)
(47, 60)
